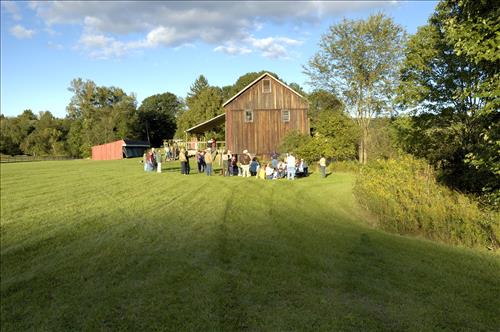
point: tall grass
(405, 197)
(345, 166)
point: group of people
(205, 159)
(243, 165)
(172, 151)
(290, 167)
(152, 160)
(246, 166)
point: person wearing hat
(208, 162)
(226, 157)
(245, 160)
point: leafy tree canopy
(157, 117)
(104, 114)
(358, 61)
(452, 87)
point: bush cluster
(405, 197)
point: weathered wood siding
(265, 133)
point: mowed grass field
(105, 246)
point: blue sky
(154, 47)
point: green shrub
(404, 195)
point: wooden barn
(259, 116)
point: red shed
(119, 150)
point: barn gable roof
(255, 81)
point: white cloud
(225, 24)
(55, 46)
(162, 36)
(95, 41)
(186, 45)
(270, 47)
(99, 46)
(21, 32)
(233, 49)
(273, 47)
(12, 9)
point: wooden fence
(23, 158)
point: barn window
(266, 86)
(285, 115)
(248, 116)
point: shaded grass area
(104, 246)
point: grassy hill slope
(102, 245)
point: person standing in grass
(322, 166)
(145, 160)
(234, 165)
(290, 166)
(254, 166)
(175, 150)
(153, 159)
(200, 158)
(208, 162)
(167, 152)
(302, 168)
(188, 165)
(158, 160)
(245, 163)
(274, 160)
(226, 157)
(149, 161)
(184, 161)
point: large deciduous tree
(157, 117)
(359, 61)
(14, 131)
(100, 115)
(334, 133)
(48, 138)
(451, 79)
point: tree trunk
(363, 151)
(360, 151)
(365, 145)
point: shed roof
(129, 142)
(255, 81)
(207, 125)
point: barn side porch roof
(207, 125)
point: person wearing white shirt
(290, 165)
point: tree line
(99, 114)
(376, 92)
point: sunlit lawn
(105, 246)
